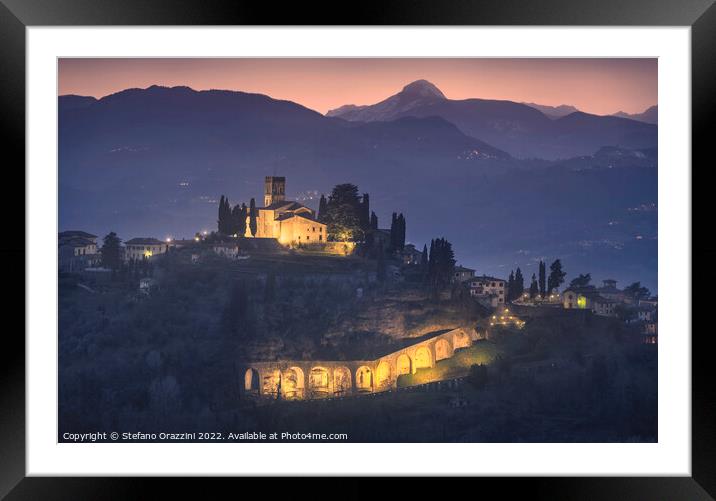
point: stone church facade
(290, 222)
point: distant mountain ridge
(553, 111)
(516, 128)
(650, 115)
(154, 161)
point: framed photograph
(438, 241)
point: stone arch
(364, 379)
(383, 375)
(319, 382)
(270, 380)
(423, 358)
(293, 383)
(251, 380)
(461, 340)
(403, 364)
(443, 349)
(341, 381)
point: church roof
(289, 215)
(285, 205)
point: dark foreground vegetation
(168, 361)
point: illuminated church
(291, 223)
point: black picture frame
(16, 15)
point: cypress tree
(556, 276)
(220, 222)
(424, 258)
(511, 286)
(252, 217)
(365, 212)
(373, 221)
(542, 279)
(110, 251)
(519, 284)
(394, 232)
(534, 288)
(322, 209)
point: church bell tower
(274, 190)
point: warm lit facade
(291, 223)
(143, 248)
(589, 299)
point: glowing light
(196, 238)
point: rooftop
(484, 278)
(76, 233)
(144, 241)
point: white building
(488, 288)
(144, 248)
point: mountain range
(516, 128)
(553, 111)
(154, 161)
(650, 115)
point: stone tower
(274, 190)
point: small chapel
(290, 222)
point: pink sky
(600, 86)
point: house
(609, 290)
(144, 248)
(291, 223)
(460, 274)
(588, 298)
(489, 289)
(76, 251)
(411, 255)
(651, 332)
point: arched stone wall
(443, 349)
(461, 339)
(293, 383)
(403, 364)
(342, 381)
(269, 381)
(319, 382)
(423, 358)
(384, 378)
(364, 379)
(252, 380)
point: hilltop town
(282, 302)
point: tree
(373, 221)
(581, 281)
(252, 217)
(397, 233)
(510, 286)
(542, 279)
(534, 288)
(441, 265)
(343, 213)
(424, 258)
(394, 232)
(238, 220)
(110, 251)
(556, 276)
(224, 222)
(364, 215)
(519, 284)
(636, 292)
(322, 209)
